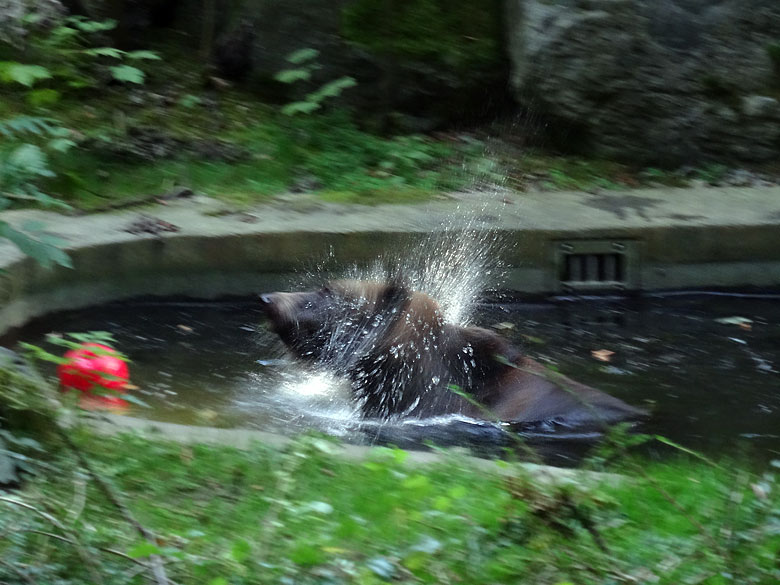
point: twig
(86, 558)
(669, 498)
(102, 548)
(79, 499)
(132, 574)
(156, 562)
(19, 572)
(588, 524)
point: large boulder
(667, 81)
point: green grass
(307, 516)
(327, 152)
(345, 163)
(93, 183)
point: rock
(662, 82)
(17, 17)
(177, 192)
(760, 106)
(305, 184)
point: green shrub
(23, 165)
(458, 34)
(303, 63)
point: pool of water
(707, 366)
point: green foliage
(71, 341)
(65, 54)
(23, 165)
(559, 173)
(344, 158)
(711, 173)
(27, 75)
(458, 34)
(328, 151)
(307, 515)
(313, 100)
(127, 74)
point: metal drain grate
(593, 268)
(595, 265)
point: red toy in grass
(94, 366)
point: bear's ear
(396, 294)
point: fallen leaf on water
(735, 320)
(603, 355)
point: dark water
(712, 385)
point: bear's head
(345, 318)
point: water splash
(453, 264)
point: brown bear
(403, 360)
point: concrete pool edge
(683, 238)
(242, 439)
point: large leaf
(302, 55)
(92, 26)
(292, 75)
(127, 74)
(25, 124)
(43, 97)
(144, 549)
(300, 108)
(333, 88)
(149, 55)
(61, 144)
(27, 75)
(30, 160)
(45, 254)
(105, 52)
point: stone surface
(708, 237)
(110, 424)
(668, 81)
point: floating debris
(603, 355)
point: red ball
(91, 366)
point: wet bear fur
(403, 360)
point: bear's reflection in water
(405, 364)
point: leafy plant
(347, 160)
(711, 173)
(304, 60)
(66, 53)
(22, 166)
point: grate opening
(595, 265)
(603, 268)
